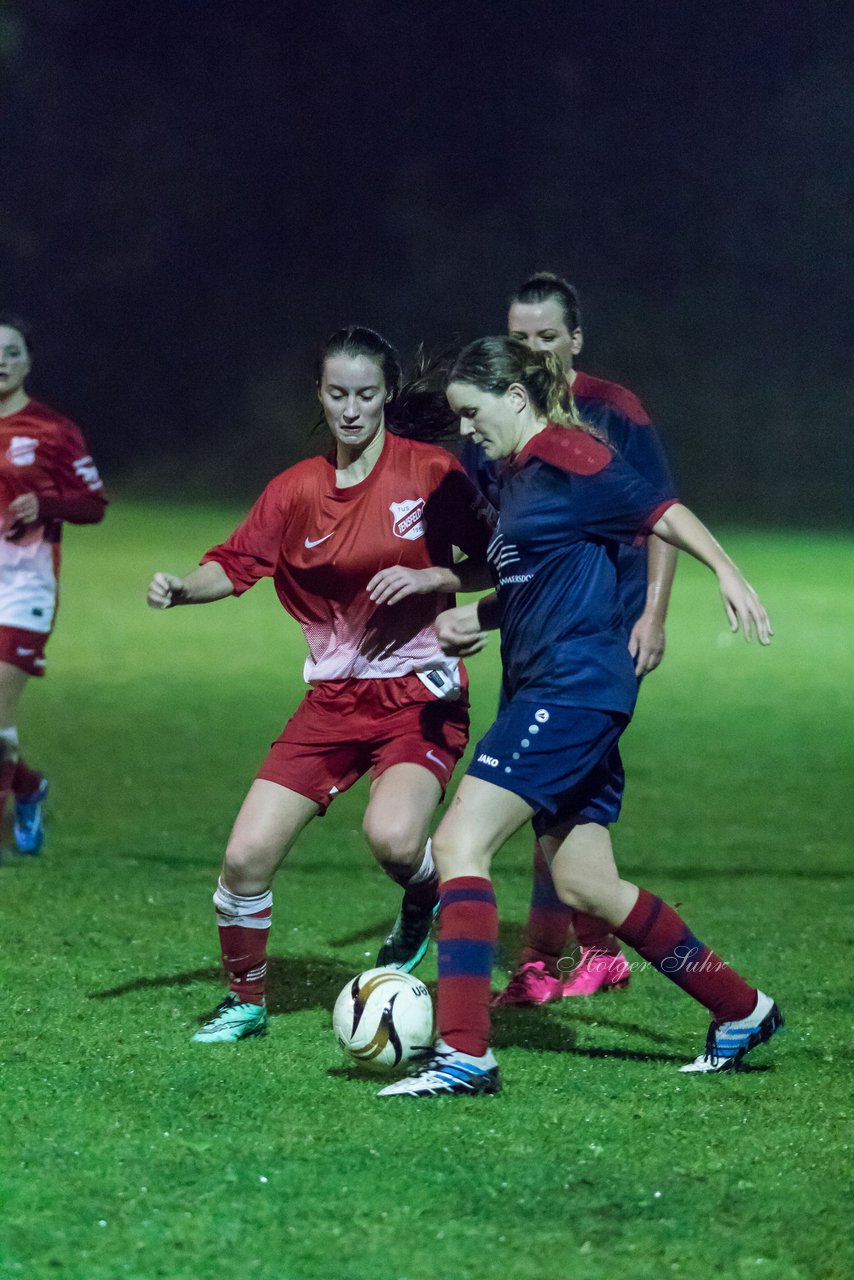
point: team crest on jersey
(407, 519)
(22, 451)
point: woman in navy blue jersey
(567, 503)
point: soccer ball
(381, 1017)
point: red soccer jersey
(44, 453)
(322, 545)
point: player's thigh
(397, 819)
(270, 819)
(480, 818)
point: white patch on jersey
(87, 471)
(407, 519)
(22, 451)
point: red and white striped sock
(244, 926)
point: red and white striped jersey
(44, 453)
(322, 545)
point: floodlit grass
(130, 1152)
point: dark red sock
(244, 926)
(549, 919)
(25, 781)
(7, 774)
(663, 938)
(468, 933)
(595, 934)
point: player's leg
(13, 681)
(396, 825)
(21, 656)
(270, 819)
(421, 738)
(586, 877)
(481, 817)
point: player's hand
(394, 584)
(459, 631)
(21, 513)
(165, 591)
(744, 609)
(646, 644)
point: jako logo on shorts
(22, 451)
(407, 519)
(490, 760)
(541, 716)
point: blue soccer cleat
(233, 1019)
(728, 1042)
(445, 1072)
(28, 828)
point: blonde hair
(494, 364)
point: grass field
(130, 1152)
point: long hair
(545, 286)
(494, 364)
(417, 407)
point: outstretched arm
(646, 642)
(395, 583)
(207, 583)
(681, 528)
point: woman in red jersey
(383, 698)
(46, 476)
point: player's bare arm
(395, 583)
(207, 583)
(745, 611)
(647, 638)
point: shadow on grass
(294, 983)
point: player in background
(545, 315)
(47, 476)
(359, 544)
(569, 685)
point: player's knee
(581, 893)
(459, 855)
(249, 860)
(393, 843)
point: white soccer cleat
(728, 1042)
(445, 1072)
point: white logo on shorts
(541, 716)
(436, 760)
(25, 653)
(490, 760)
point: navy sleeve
(617, 503)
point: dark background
(195, 192)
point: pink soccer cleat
(597, 971)
(532, 983)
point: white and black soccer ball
(382, 1017)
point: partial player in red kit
(360, 546)
(46, 476)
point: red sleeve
(77, 489)
(253, 550)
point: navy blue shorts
(562, 761)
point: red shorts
(24, 649)
(345, 728)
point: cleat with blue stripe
(233, 1019)
(28, 829)
(406, 945)
(444, 1072)
(728, 1042)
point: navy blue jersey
(622, 419)
(567, 504)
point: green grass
(130, 1152)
